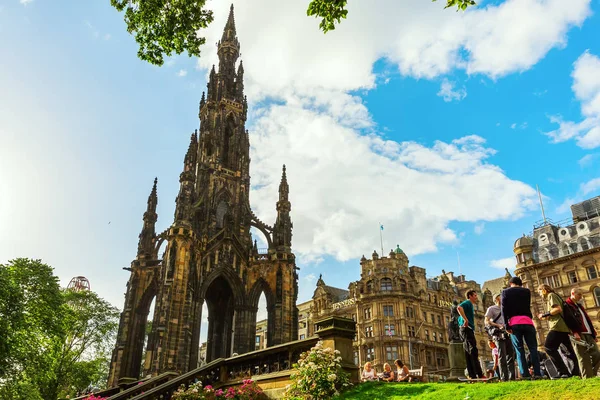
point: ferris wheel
(79, 283)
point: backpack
(571, 315)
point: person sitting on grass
(402, 372)
(388, 374)
(368, 373)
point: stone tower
(210, 256)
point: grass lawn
(566, 389)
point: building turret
(282, 230)
(148, 233)
(523, 250)
(186, 183)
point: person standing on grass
(515, 303)
(559, 332)
(506, 352)
(587, 355)
(466, 322)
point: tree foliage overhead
(166, 27)
(331, 12)
(53, 342)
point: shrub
(248, 391)
(318, 375)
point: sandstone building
(399, 312)
(210, 256)
(563, 255)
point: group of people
(509, 323)
(388, 375)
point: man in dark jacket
(588, 355)
(516, 312)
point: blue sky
(436, 124)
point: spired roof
(398, 250)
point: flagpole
(381, 237)
(541, 204)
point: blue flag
(381, 227)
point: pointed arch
(261, 286)
(232, 279)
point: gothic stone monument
(209, 256)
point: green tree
(53, 340)
(332, 11)
(166, 27)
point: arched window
(597, 295)
(386, 285)
(369, 286)
(402, 285)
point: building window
(355, 357)
(258, 340)
(439, 320)
(386, 285)
(441, 337)
(402, 285)
(385, 270)
(551, 281)
(354, 317)
(572, 276)
(391, 353)
(597, 296)
(447, 320)
(388, 311)
(429, 297)
(429, 358)
(368, 313)
(303, 336)
(441, 360)
(424, 316)
(390, 329)
(432, 319)
(411, 330)
(370, 353)
(369, 331)
(410, 312)
(427, 334)
(369, 286)
(591, 272)
(435, 336)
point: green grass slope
(566, 389)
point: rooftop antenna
(541, 203)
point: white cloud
(586, 160)
(540, 93)
(449, 93)
(25, 2)
(586, 86)
(181, 73)
(503, 263)
(590, 186)
(520, 126)
(343, 182)
(479, 228)
(420, 37)
(586, 190)
(92, 29)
